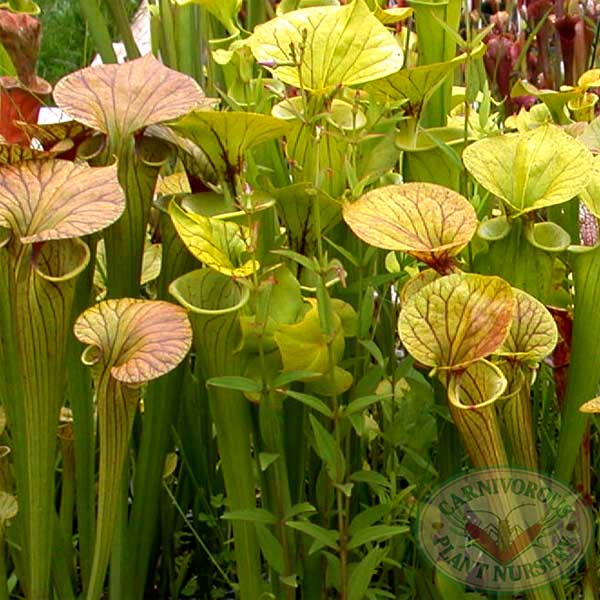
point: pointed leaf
(120, 99)
(254, 515)
(290, 376)
(220, 245)
(416, 85)
(335, 45)
(58, 199)
(428, 221)
(521, 168)
(234, 382)
(360, 404)
(456, 320)
(271, 548)
(311, 402)
(533, 333)
(138, 339)
(226, 136)
(326, 537)
(376, 533)
(325, 444)
(224, 10)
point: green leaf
(456, 320)
(120, 99)
(226, 11)
(416, 84)
(289, 377)
(220, 245)
(21, 6)
(271, 548)
(324, 536)
(306, 262)
(428, 221)
(296, 205)
(374, 351)
(376, 480)
(521, 168)
(362, 573)
(376, 533)
(335, 45)
(254, 515)
(225, 137)
(334, 383)
(325, 444)
(591, 194)
(233, 382)
(304, 346)
(360, 404)
(555, 101)
(533, 333)
(266, 459)
(311, 402)
(299, 509)
(368, 516)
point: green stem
(34, 319)
(214, 301)
(80, 394)
(584, 368)
(168, 47)
(119, 15)
(4, 595)
(186, 40)
(116, 408)
(125, 239)
(99, 30)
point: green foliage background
(66, 45)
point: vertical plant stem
(584, 368)
(186, 40)
(116, 408)
(119, 15)
(90, 10)
(168, 46)
(81, 402)
(161, 405)
(214, 301)
(4, 595)
(34, 317)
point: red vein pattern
(122, 99)
(139, 340)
